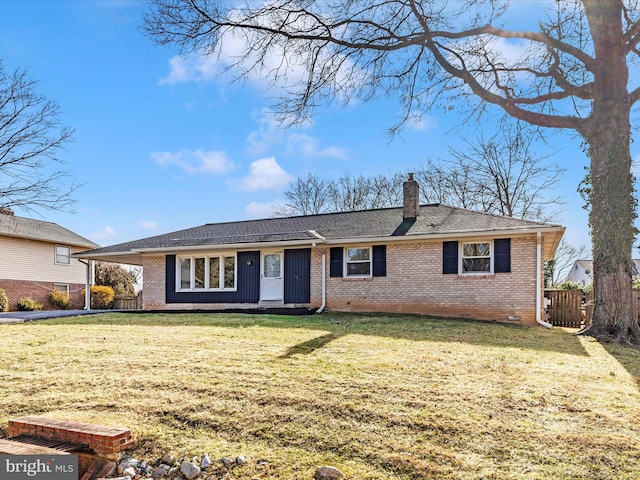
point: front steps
(97, 446)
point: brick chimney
(411, 199)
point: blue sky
(162, 144)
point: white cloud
(261, 210)
(304, 145)
(106, 233)
(276, 69)
(147, 224)
(420, 122)
(269, 134)
(195, 161)
(189, 69)
(266, 136)
(512, 50)
(265, 174)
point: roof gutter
(538, 282)
(439, 236)
(226, 246)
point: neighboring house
(582, 272)
(429, 259)
(36, 257)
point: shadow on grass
(626, 356)
(310, 346)
(418, 328)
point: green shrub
(4, 301)
(59, 300)
(570, 286)
(101, 296)
(28, 304)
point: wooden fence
(128, 303)
(565, 309)
(572, 308)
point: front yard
(379, 397)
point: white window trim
(461, 245)
(55, 255)
(65, 287)
(192, 272)
(345, 269)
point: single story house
(36, 257)
(425, 259)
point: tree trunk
(612, 196)
(612, 211)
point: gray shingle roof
(384, 224)
(21, 227)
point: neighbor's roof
(434, 221)
(20, 227)
(588, 265)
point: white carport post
(87, 288)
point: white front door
(272, 279)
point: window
(229, 272)
(487, 257)
(345, 262)
(358, 262)
(476, 257)
(214, 271)
(63, 255)
(206, 273)
(272, 264)
(61, 287)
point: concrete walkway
(21, 317)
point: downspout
(538, 282)
(87, 288)
(324, 278)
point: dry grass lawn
(379, 397)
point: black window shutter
(379, 260)
(450, 257)
(335, 262)
(502, 255)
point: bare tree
(572, 73)
(452, 184)
(312, 195)
(305, 196)
(349, 193)
(31, 138)
(501, 175)
(557, 269)
(386, 191)
(114, 276)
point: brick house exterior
(36, 257)
(424, 259)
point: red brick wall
(39, 291)
(102, 439)
(414, 284)
(154, 282)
